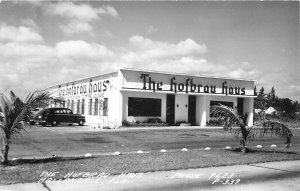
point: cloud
(17, 51)
(28, 66)
(82, 12)
(30, 23)
(148, 49)
(82, 50)
(19, 34)
(79, 16)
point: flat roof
(184, 74)
(86, 78)
(153, 71)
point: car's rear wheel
(81, 122)
(54, 123)
(44, 124)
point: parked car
(34, 112)
(55, 116)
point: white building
(137, 95)
(271, 111)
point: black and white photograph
(149, 95)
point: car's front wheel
(54, 123)
(80, 123)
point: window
(68, 104)
(105, 106)
(67, 111)
(90, 107)
(144, 107)
(82, 107)
(96, 107)
(228, 104)
(57, 111)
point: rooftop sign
(190, 87)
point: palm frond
(5, 104)
(229, 115)
(18, 113)
(32, 101)
(272, 127)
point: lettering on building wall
(189, 86)
(82, 89)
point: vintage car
(34, 112)
(55, 116)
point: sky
(45, 43)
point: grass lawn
(30, 171)
(61, 141)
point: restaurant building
(137, 95)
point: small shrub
(153, 123)
(178, 123)
(125, 123)
(215, 122)
(153, 120)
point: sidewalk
(281, 176)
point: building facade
(137, 95)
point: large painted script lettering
(81, 89)
(189, 86)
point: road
(275, 176)
(40, 141)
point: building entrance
(170, 110)
(192, 110)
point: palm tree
(262, 127)
(15, 115)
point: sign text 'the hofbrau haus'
(189, 86)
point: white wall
(248, 107)
(181, 112)
(201, 110)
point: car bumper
(41, 122)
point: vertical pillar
(119, 96)
(248, 107)
(201, 110)
(93, 106)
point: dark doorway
(170, 110)
(240, 106)
(192, 110)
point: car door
(58, 115)
(69, 116)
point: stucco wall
(181, 107)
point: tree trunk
(243, 146)
(5, 149)
(244, 139)
(4, 154)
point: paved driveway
(76, 140)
